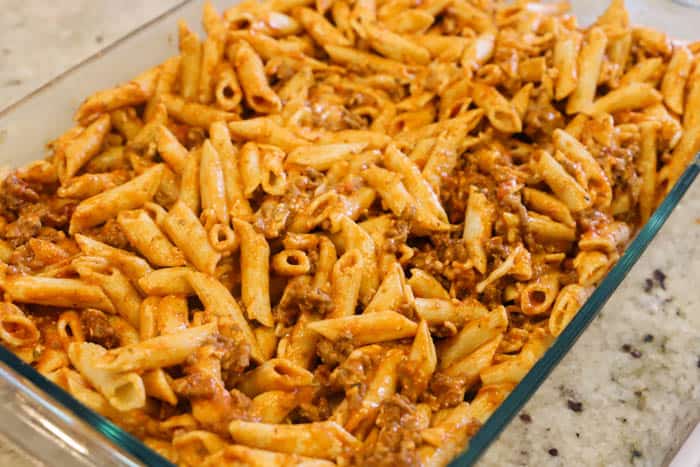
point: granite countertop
(629, 391)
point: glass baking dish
(53, 427)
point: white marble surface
(635, 411)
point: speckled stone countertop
(629, 391)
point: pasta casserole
(339, 232)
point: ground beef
(27, 225)
(301, 296)
(15, 193)
(334, 352)
(445, 391)
(197, 385)
(272, 218)
(236, 357)
(97, 329)
(396, 235)
(398, 439)
(111, 234)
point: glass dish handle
(46, 432)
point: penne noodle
(258, 93)
(366, 329)
(188, 234)
(221, 303)
(58, 292)
(150, 354)
(124, 391)
(191, 61)
(131, 195)
(147, 238)
(255, 285)
(589, 62)
(325, 440)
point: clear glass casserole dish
(50, 423)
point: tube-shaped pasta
(69, 327)
(392, 292)
(425, 285)
(398, 162)
(515, 369)
(194, 114)
(564, 186)
(365, 329)
(291, 262)
(489, 398)
(478, 221)
(212, 51)
(167, 281)
(323, 156)
(114, 283)
(548, 205)
(157, 385)
(124, 391)
(191, 61)
(83, 147)
(422, 362)
(355, 237)
(170, 149)
(157, 352)
(395, 46)
(235, 455)
(570, 299)
(381, 387)
(17, 330)
(590, 59)
(274, 406)
(632, 96)
(131, 195)
(194, 446)
(646, 165)
(275, 374)
(227, 91)
(591, 266)
(235, 198)
(437, 311)
(135, 92)
(58, 292)
(90, 184)
(473, 335)
(166, 82)
(607, 238)
(143, 233)
(299, 346)
(171, 316)
(265, 130)
(548, 231)
(189, 181)
(450, 433)
(499, 111)
(251, 74)
(468, 367)
(221, 303)
(255, 280)
(565, 55)
(537, 296)
(131, 265)
(318, 27)
(356, 59)
(325, 440)
(676, 77)
(212, 183)
(187, 233)
(345, 283)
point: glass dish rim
(489, 431)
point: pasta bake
(339, 232)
